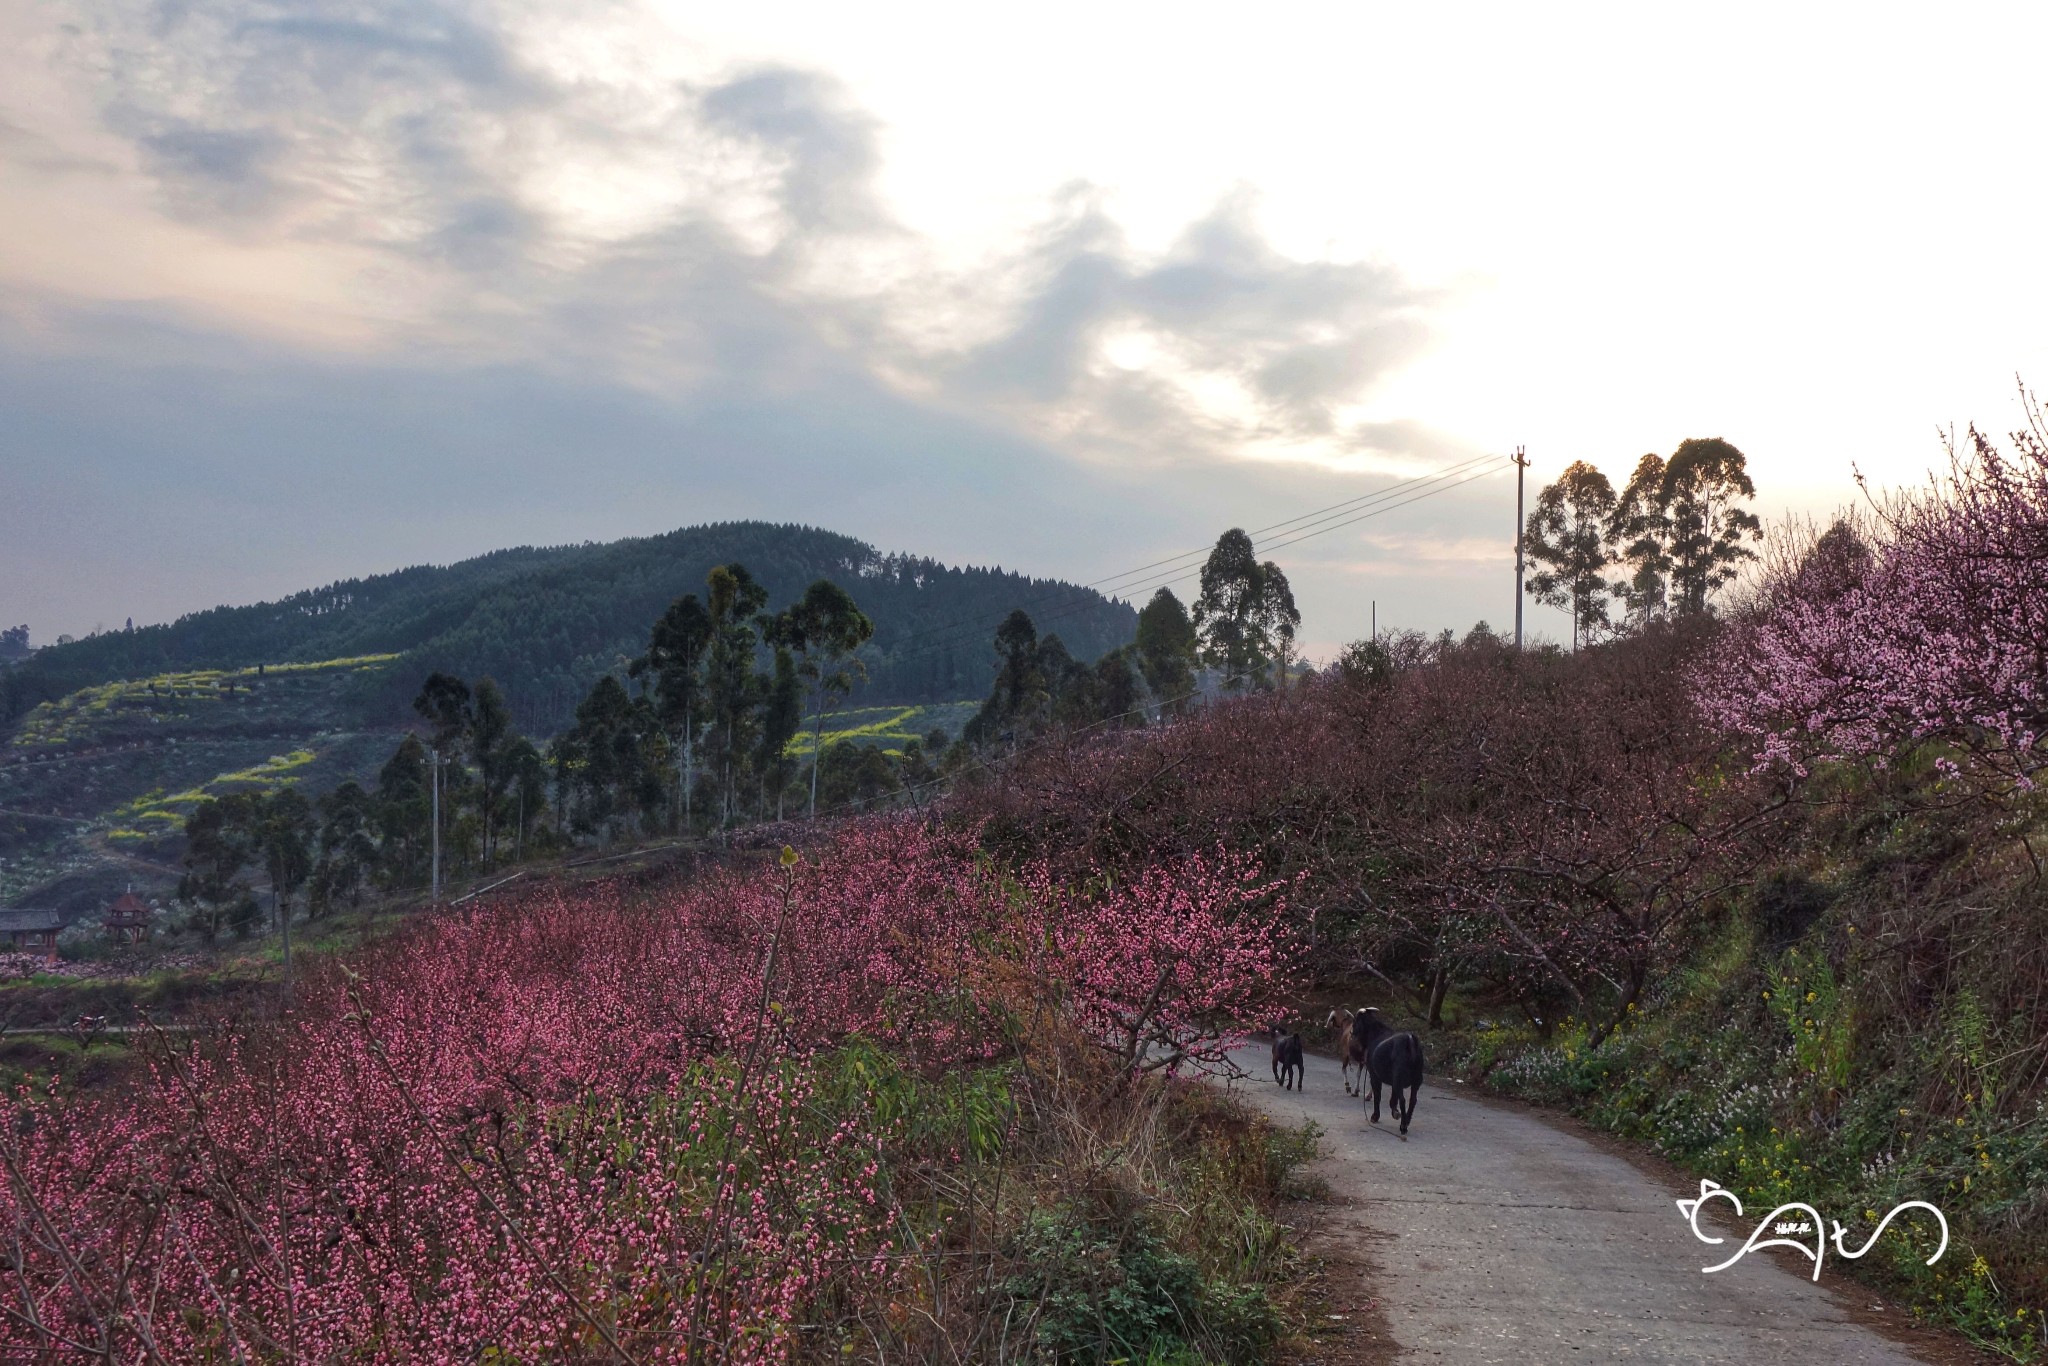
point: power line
(1309, 517)
(1082, 597)
(946, 637)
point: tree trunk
(1437, 987)
(817, 753)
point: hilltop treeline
(545, 623)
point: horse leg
(1408, 1110)
(1375, 1082)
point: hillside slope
(545, 622)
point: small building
(27, 931)
(127, 920)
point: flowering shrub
(1162, 963)
(581, 1125)
(1932, 628)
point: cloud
(564, 237)
(1219, 344)
(828, 150)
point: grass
(1085, 1221)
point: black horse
(1393, 1060)
(1286, 1058)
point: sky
(291, 292)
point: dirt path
(1494, 1235)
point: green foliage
(1106, 1288)
(1750, 1068)
(1168, 650)
(1245, 615)
(545, 622)
(1567, 539)
(1040, 685)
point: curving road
(1496, 1235)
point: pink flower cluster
(1936, 627)
(1161, 964)
(577, 1125)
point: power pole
(436, 755)
(1375, 621)
(1521, 464)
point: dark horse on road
(1391, 1059)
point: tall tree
(529, 790)
(404, 809)
(599, 757)
(1567, 535)
(490, 740)
(1641, 531)
(1705, 481)
(1227, 613)
(733, 689)
(825, 627)
(221, 840)
(1019, 693)
(348, 849)
(782, 716)
(284, 837)
(1279, 618)
(447, 705)
(1116, 690)
(1167, 647)
(675, 657)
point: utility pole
(1521, 464)
(436, 755)
(1375, 621)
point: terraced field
(889, 727)
(95, 787)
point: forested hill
(546, 622)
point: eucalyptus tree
(1567, 535)
(221, 841)
(1278, 617)
(1227, 610)
(1705, 482)
(489, 741)
(733, 691)
(1640, 528)
(675, 658)
(1167, 649)
(348, 849)
(285, 827)
(1245, 614)
(825, 628)
(782, 716)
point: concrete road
(1497, 1236)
